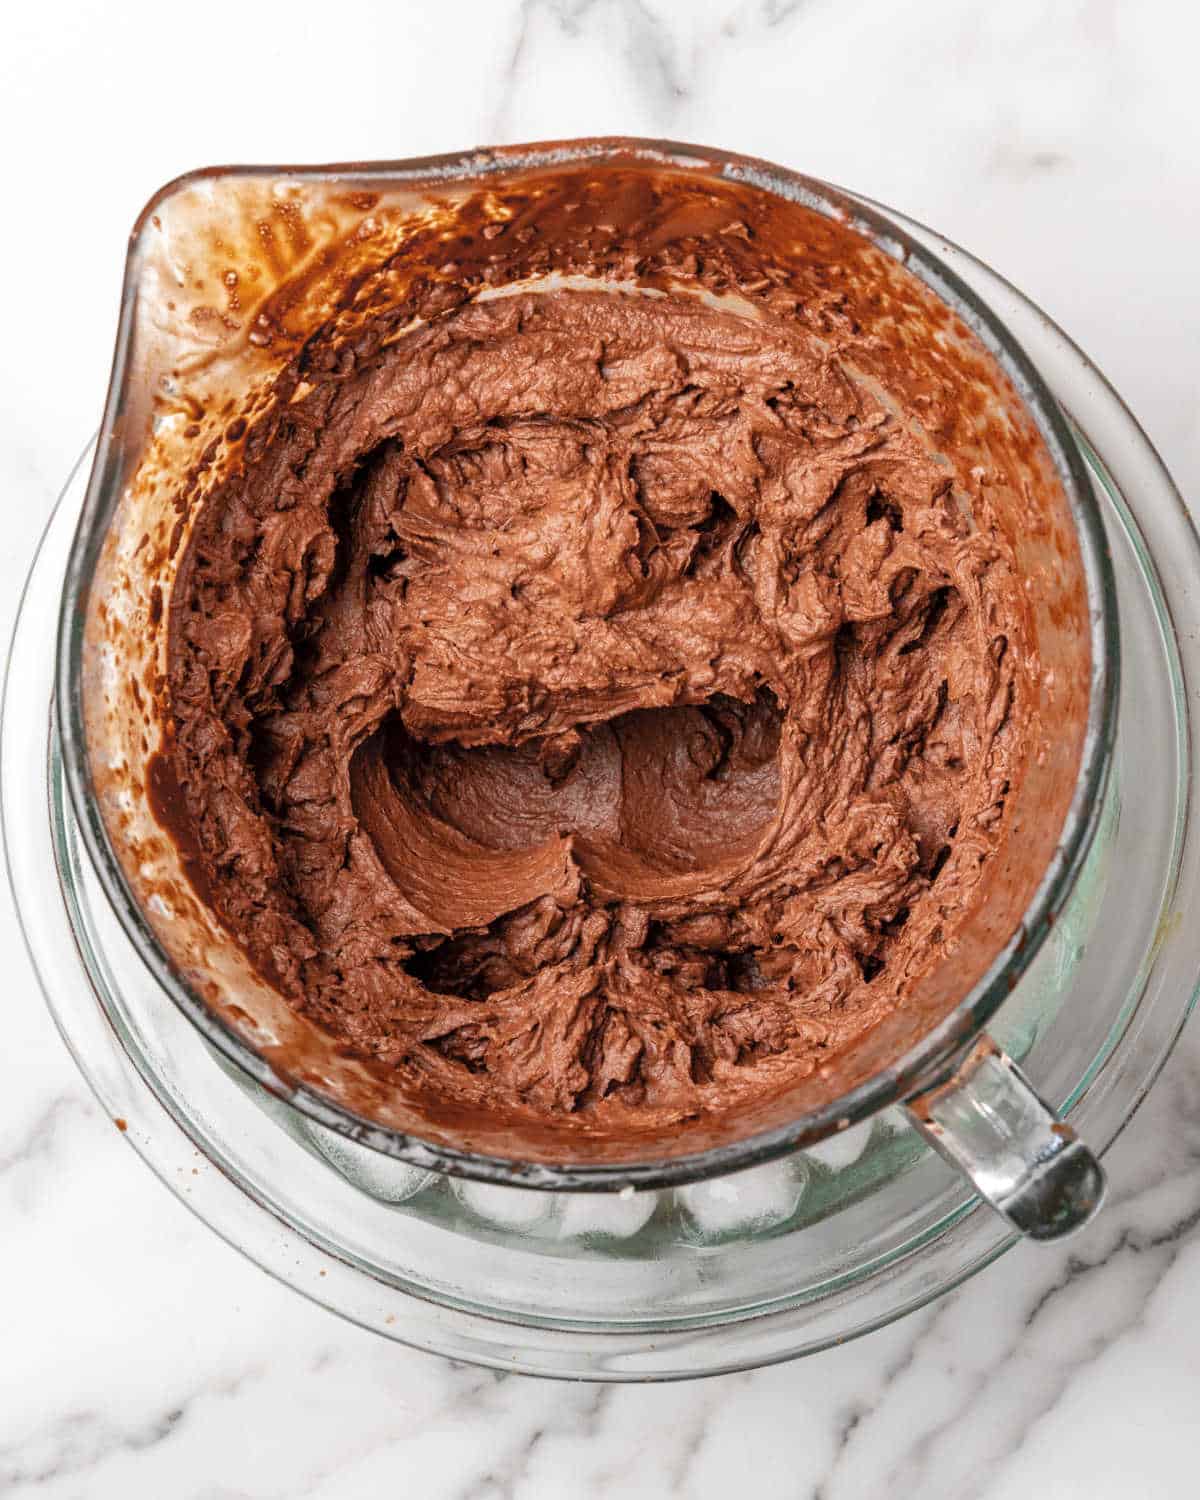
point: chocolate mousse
(595, 701)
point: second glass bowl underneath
(733, 1272)
(757, 1266)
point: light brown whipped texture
(596, 704)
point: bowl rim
(935, 1052)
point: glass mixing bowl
(742, 1270)
(232, 271)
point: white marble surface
(139, 1356)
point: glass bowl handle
(988, 1121)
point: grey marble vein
(628, 31)
(777, 12)
(81, 1441)
(77, 1443)
(1027, 1366)
(577, 1415)
(41, 1138)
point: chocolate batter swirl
(595, 702)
